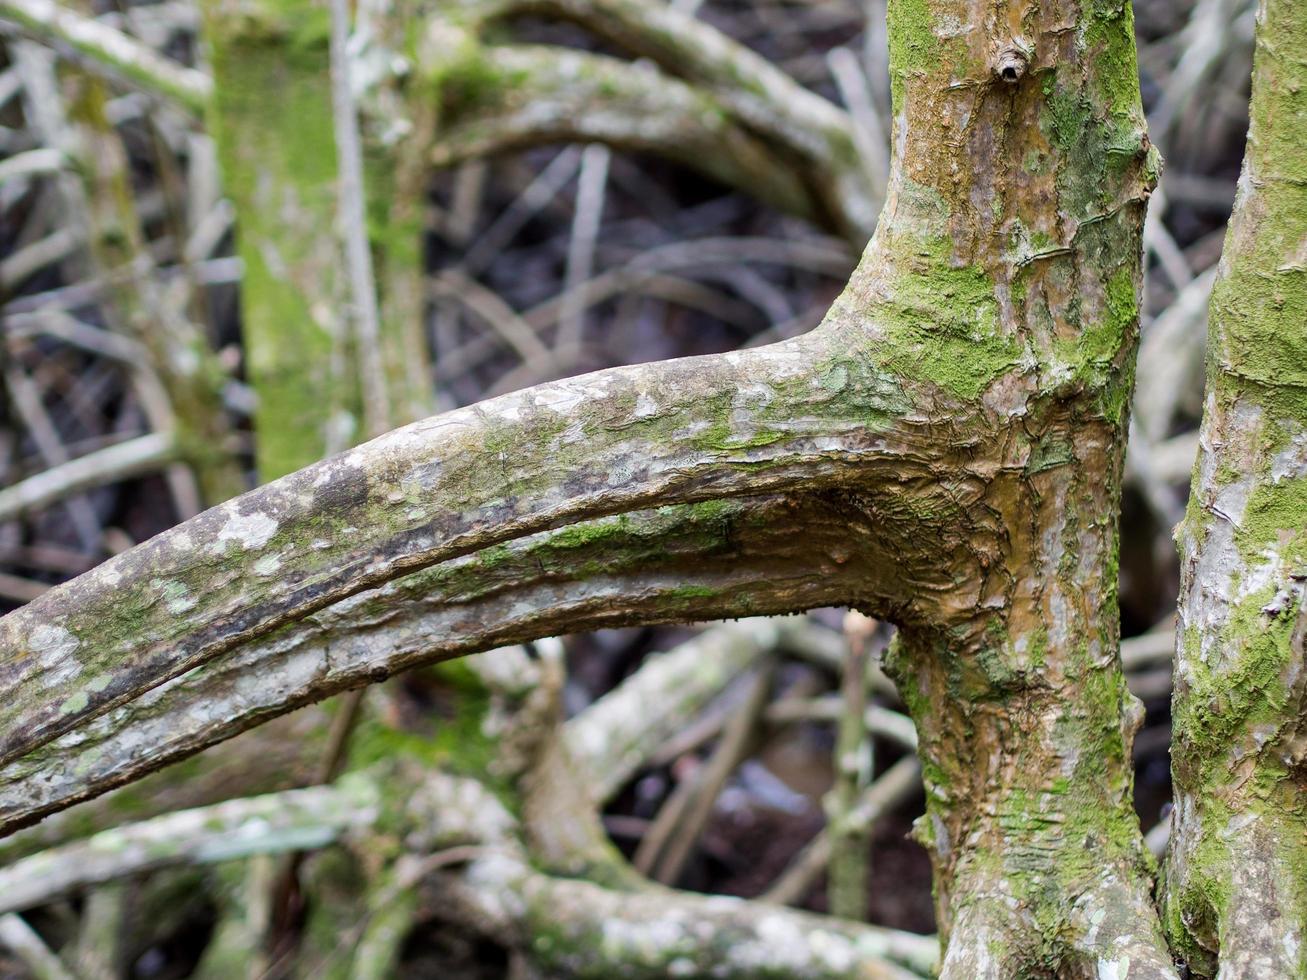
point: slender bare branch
(565, 96)
(277, 822)
(120, 461)
(99, 46)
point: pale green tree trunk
(1236, 883)
(271, 112)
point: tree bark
(1236, 883)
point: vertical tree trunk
(1236, 886)
(272, 115)
(1011, 239)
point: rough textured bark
(1021, 172)
(944, 452)
(1236, 884)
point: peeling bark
(1236, 883)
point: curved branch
(659, 933)
(769, 554)
(120, 461)
(612, 738)
(798, 122)
(644, 932)
(461, 821)
(798, 414)
(556, 95)
(291, 820)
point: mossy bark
(774, 138)
(1236, 888)
(1006, 272)
(271, 112)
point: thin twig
(664, 851)
(581, 244)
(352, 216)
(897, 783)
(24, 942)
(121, 461)
(848, 866)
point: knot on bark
(1011, 64)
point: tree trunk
(280, 167)
(1236, 883)
(961, 412)
(1009, 262)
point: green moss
(1052, 450)
(608, 545)
(1068, 113)
(942, 322)
(1038, 649)
(1192, 912)
(1259, 308)
(470, 81)
(1105, 339)
(456, 740)
(913, 47)
(1279, 106)
(1217, 709)
(1110, 40)
(1276, 514)
(75, 703)
(691, 592)
(278, 156)
(1099, 123)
